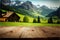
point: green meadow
(44, 22)
(26, 24)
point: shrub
(34, 21)
(25, 19)
(50, 20)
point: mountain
(26, 8)
(17, 3)
(45, 10)
(55, 13)
(6, 1)
(27, 5)
(0, 4)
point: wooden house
(9, 17)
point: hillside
(55, 13)
(22, 16)
(44, 10)
(26, 8)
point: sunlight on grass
(22, 16)
(26, 24)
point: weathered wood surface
(29, 32)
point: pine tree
(38, 19)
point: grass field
(26, 24)
(30, 24)
(22, 16)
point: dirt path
(29, 32)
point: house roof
(8, 14)
(5, 16)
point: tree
(34, 21)
(25, 19)
(58, 22)
(50, 20)
(38, 19)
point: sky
(49, 3)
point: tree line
(50, 20)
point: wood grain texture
(29, 32)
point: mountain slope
(45, 10)
(55, 13)
(26, 8)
